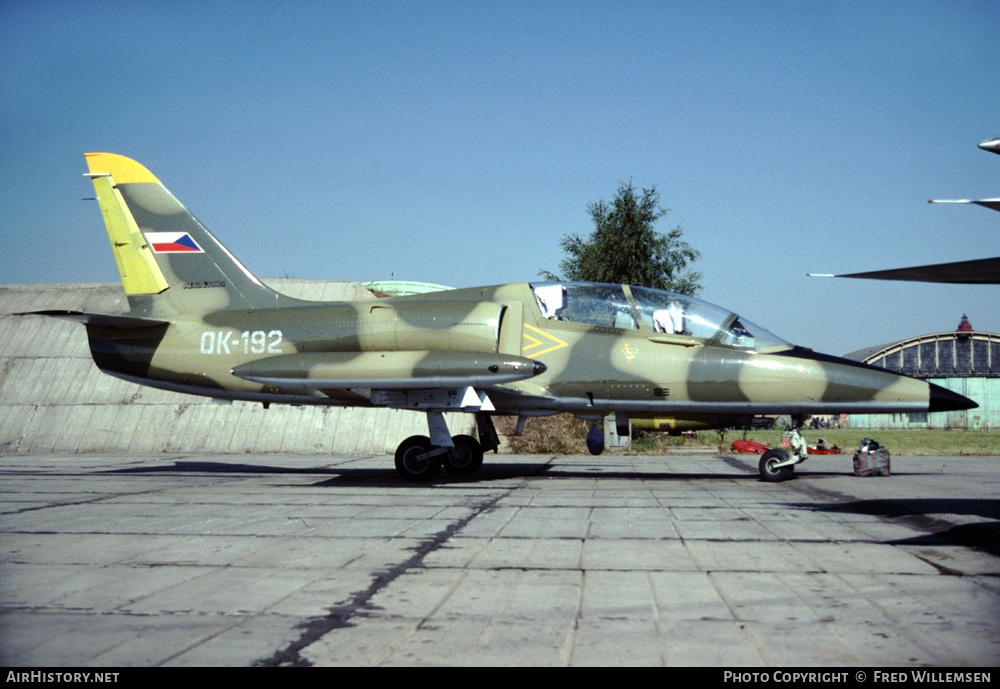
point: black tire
(411, 468)
(466, 457)
(767, 470)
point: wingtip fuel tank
(991, 145)
(412, 370)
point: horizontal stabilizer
(102, 320)
(389, 370)
(984, 271)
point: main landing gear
(419, 458)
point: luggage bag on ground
(871, 463)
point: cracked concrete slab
(239, 560)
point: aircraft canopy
(625, 307)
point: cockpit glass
(585, 302)
(743, 333)
(660, 311)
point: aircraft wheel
(408, 463)
(768, 472)
(466, 457)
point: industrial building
(964, 360)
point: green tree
(625, 248)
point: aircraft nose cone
(943, 399)
(539, 368)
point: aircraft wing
(985, 203)
(102, 320)
(983, 271)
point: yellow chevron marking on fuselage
(535, 342)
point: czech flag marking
(173, 243)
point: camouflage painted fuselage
(340, 353)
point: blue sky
(457, 142)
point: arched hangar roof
(958, 354)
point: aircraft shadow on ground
(221, 468)
(337, 475)
(922, 513)
(340, 476)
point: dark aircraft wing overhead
(985, 203)
(984, 271)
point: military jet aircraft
(201, 323)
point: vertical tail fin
(170, 264)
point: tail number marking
(248, 342)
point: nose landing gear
(779, 465)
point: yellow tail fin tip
(122, 170)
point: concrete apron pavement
(235, 560)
